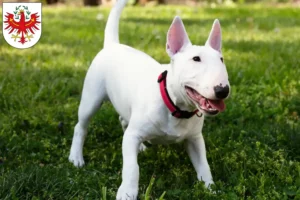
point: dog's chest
(176, 131)
(169, 136)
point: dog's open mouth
(209, 106)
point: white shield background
(33, 8)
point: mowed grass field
(253, 148)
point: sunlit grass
(253, 147)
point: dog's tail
(111, 34)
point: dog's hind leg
(93, 94)
(124, 125)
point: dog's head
(198, 75)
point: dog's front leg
(197, 153)
(130, 173)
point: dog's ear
(215, 37)
(177, 38)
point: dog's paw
(127, 193)
(142, 147)
(207, 179)
(208, 184)
(76, 159)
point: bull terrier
(158, 103)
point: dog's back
(129, 72)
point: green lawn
(253, 148)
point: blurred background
(151, 2)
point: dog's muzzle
(221, 92)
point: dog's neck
(177, 92)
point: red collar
(176, 112)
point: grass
(253, 148)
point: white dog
(156, 103)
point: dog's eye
(197, 59)
(222, 59)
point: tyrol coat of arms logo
(22, 24)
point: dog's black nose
(221, 92)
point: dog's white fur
(128, 79)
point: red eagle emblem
(24, 27)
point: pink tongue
(217, 104)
